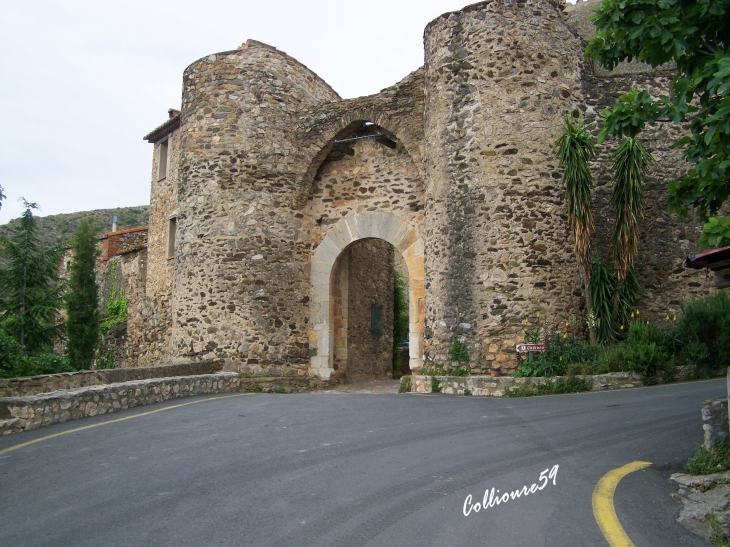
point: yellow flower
(667, 318)
(622, 327)
(561, 357)
(565, 336)
(567, 324)
(538, 315)
(675, 318)
(527, 320)
(632, 315)
(647, 322)
(638, 312)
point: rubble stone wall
(500, 78)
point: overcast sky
(84, 80)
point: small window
(171, 229)
(376, 319)
(162, 160)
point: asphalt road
(344, 469)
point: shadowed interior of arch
(363, 311)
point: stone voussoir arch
(379, 225)
(320, 138)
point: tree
(695, 34)
(2, 197)
(30, 293)
(82, 299)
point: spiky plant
(603, 288)
(630, 164)
(629, 295)
(576, 147)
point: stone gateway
(279, 211)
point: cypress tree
(30, 292)
(82, 299)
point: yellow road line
(603, 508)
(23, 445)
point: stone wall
(369, 354)
(500, 78)
(123, 242)
(27, 413)
(484, 386)
(33, 385)
(715, 421)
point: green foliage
(562, 351)
(565, 384)
(405, 384)
(106, 361)
(437, 369)
(458, 353)
(435, 385)
(15, 362)
(707, 462)
(2, 196)
(116, 309)
(703, 334)
(576, 147)
(718, 532)
(400, 318)
(82, 299)
(30, 293)
(603, 287)
(646, 351)
(630, 164)
(694, 34)
(715, 233)
(628, 296)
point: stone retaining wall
(715, 421)
(46, 383)
(32, 412)
(487, 386)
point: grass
(435, 385)
(566, 384)
(715, 460)
(437, 369)
(717, 533)
(405, 384)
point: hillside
(56, 229)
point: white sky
(84, 80)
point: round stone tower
(501, 76)
(240, 268)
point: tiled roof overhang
(159, 133)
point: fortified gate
(279, 211)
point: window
(162, 160)
(171, 229)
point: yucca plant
(576, 147)
(603, 288)
(630, 164)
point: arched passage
(378, 225)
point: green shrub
(435, 385)
(405, 384)
(706, 462)
(458, 353)
(45, 363)
(646, 350)
(565, 384)
(11, 355)
(563, 353)
(703, 334)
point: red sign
(526, 348)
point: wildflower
(638, 312)
(622, 327)
(567, 324)
(675, 318)
(561, 357)
(565, 336)
(647, 322)
(632, 315)
(667, 318)
(538, 315)
(526, 320)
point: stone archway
(378, 225)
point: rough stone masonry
(266, 183)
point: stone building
(279, 210)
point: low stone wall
(715, 421)
(32, 385)
(31, 412)
(488, 386)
